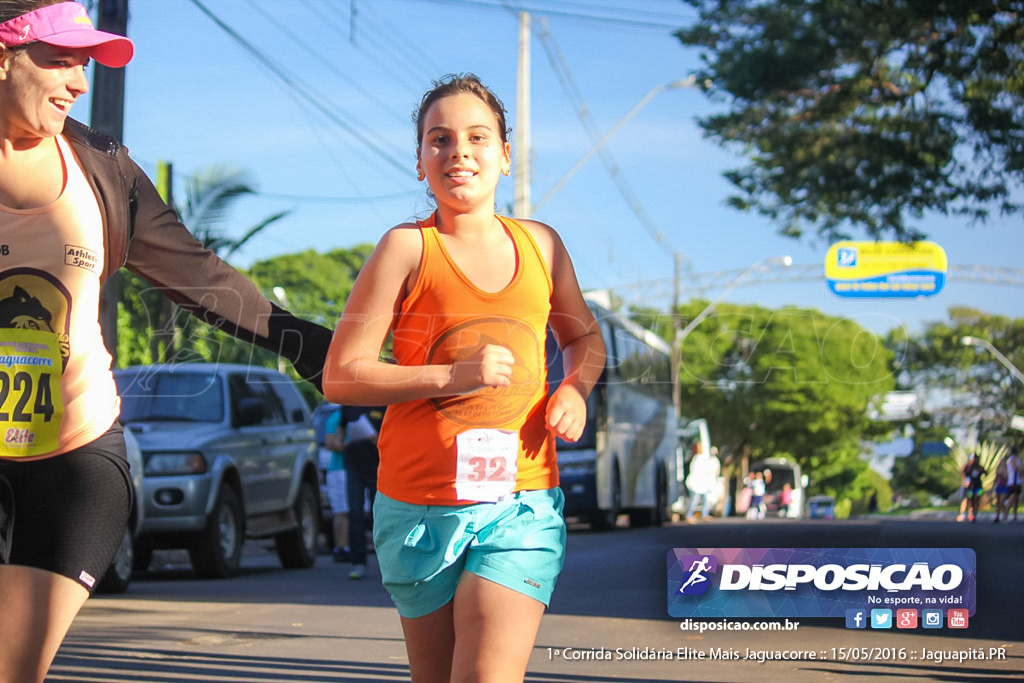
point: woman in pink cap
(74, 208)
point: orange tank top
(446, 317)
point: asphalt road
(607, 622)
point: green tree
(867, 113)
(312, 285)
(315, 286)
(928, 474)
(979, 392)
(788, 382)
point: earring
(420, 175)
(506, 170)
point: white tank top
(56, 390)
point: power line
(324, 199)
(666, 24)
(382, 52)
(323, 59)
(406, 49)
(303, 91)
(702, 283)
(561, 69)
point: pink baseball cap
(67, 24)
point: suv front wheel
(119, 573)
(297, 548)
(217, 551)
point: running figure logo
(696, 581)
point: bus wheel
(654, 516)
(660, 512)
(606, 519)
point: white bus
(625, 462)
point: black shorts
(67, 514)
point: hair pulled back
(457, 84)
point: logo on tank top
(491, 406)
(33, 300)
(80, 257)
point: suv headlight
(165, 464)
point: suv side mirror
(249, 412)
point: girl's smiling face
(40, 83)
(462, 152)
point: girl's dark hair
(455, 84)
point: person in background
(1013, 480)
(702, 481)
(757, 491)
(965, 487)
(1001, 489)
(361, 426)
(973, 473)
(337, 486)
(74, 209)
(468, 524)
(785, 499)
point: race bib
(487, 464)
(30, 400)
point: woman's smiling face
(38, 86)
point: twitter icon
(881, 618)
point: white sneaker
(358, 571)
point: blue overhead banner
(885, 269)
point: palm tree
(209, 196)
(152, 327)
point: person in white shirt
(1013, 479)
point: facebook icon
(856, 618)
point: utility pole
(107, 116)
(521, 207)
(164, 342)
(677, 347)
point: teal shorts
(518, 542)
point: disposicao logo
(822, 582)
(696, 580)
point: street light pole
(984, 343)
(681, 334)
(521, 205)
(687, 82)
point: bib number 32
(487, 464)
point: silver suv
(229, 454)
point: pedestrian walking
(1001, 489)
(1014, 473)
(337, 486)
(361, 425)
(702, 483)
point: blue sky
(340, 156)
